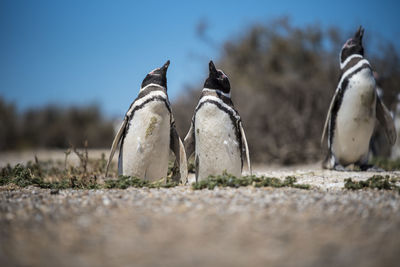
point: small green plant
(24, 176)
(375, 182)
(83, 156)
(386, 164)
(56, 175)
(228, 180)
(124, 182)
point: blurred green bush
(282, 79)
(53, 127)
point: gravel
(181, 227)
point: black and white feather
(148, 132)
(354, 109)
(216, 135)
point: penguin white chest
(217, 147)
(355, 119)
(146, 145)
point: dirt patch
(152, 125)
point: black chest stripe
(128, 118)
(151, 99)
(232, 115)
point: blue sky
(83, 52)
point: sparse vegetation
(36, 175)
(227, 180)
(375, 182)
(57, 175)
(124, 182)
(386, 164)
(89, 174)
(51, 175)
(60, 175)
(23, 176)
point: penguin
(148, 133)
(216, 134)
(395, 153)
(354, 110)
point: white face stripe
(342, 65)
(219, 91)
(151, 72)
(216, 99)
(144, 99)
(359, 64)
(151, 84)
(223, 73)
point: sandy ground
(324, 226)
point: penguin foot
(375, 169)
(339, 167)
(370, 168)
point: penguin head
(217, 80)
(353, 46)
(157, 76)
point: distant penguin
(396, 148)
(148, 133)
(354, 109)
(379, 146)
(216, 134)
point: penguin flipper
(183, 168)
(328, 115)
(116, 141)
(177, 147)
(386, 120)
(246, 147)
(189, 142)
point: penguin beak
(359, 35)
(211, 67)
(161, 70)
(166, 65)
